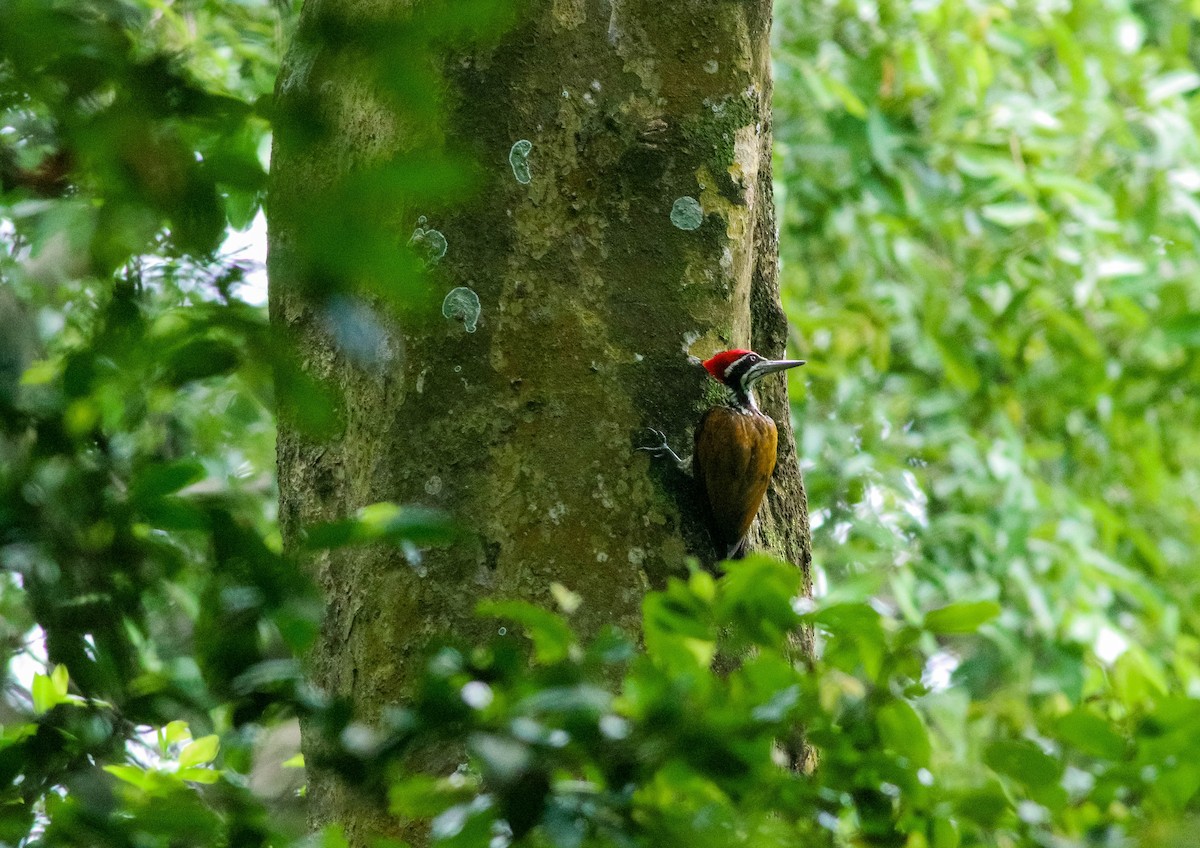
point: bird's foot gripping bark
(662, 449)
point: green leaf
(158, 479)
(45, 694)
(985, 805)
(552, 637)
(857, 636)
(386, 522)
(1138, 677)
(199, 775)
(201, 358)
(1089, 733)
(1183, 330)
(881, 141)
(174, 733)
(203, 750)
(958, 365)
(851, 101)
(132, 775)
(943, 833)
(333, 836)
(755, 598)
(11, 734)
(1024, 761)
(241, 207)
(903, 731)
(678, 629)
(61, 681)
(963, 617)
(1176, 786)
(424, 796)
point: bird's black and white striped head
(739, 370)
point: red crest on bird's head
(718, 365)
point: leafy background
(990, 219)
(989, 216)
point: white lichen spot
(689, 339)
(518, 158)
(603, 495)
(566, 94)
(295, 75)
(711, 66)
(601, 556)
(429, 242)
(556, 512)
(457, 369)
(637, 357)
(421, 381)
(462, 304)
(588, 99)
(503, 631)
(433, 485)
(637, 556)
(686, 213)
(595, 85)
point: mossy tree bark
(592, 301)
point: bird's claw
(662, 448)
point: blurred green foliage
(990, 229)
(989, 220)
(137, 536)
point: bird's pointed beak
(770, 366)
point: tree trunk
(597, 128)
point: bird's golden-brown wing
(733, 463)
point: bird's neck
(743, 400)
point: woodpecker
(735, 448)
